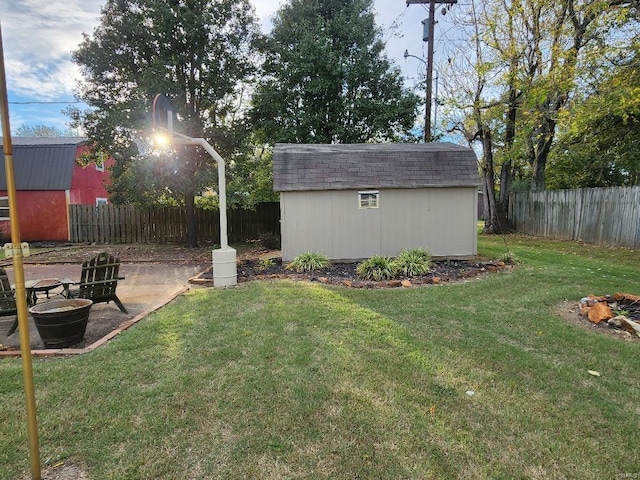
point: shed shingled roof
(42, 163)
(388, 165)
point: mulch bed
(344, 274)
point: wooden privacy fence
(131, 224)
(604, 216)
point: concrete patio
(146, 287)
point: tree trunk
(538, 181)
(492, 222)
(540, 152)
(502, 207)
(506, 177)
(506, 172)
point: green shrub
(309, 262)
(266, 264)
(509, 258)
(413, 262)
(377, 268)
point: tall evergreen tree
(327, 80)
(198, 52)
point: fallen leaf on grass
(594, 373)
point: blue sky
(39, 35)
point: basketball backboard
(162, 113)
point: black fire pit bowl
(61, 323)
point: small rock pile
(620, 311)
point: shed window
(101, 201)
(368, 199)
(4, 208)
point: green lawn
(284, 380)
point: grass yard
(285, 380)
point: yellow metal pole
(18, 272)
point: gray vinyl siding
(442, 220)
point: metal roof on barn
(42, 163)
(387, 165)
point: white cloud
(38, 37)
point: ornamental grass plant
(413, 262)
(309, 262)
(377, 268)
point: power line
(44, 103)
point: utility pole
(430, 27)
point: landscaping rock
(631, 326)
(616, 321)
(620, 312)
(600, 312)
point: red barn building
(49, 179)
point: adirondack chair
(99, 280)
(7, 300)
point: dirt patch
(129, 253)
(62, 471)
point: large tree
(599, 140)
(198, 52)
(546, 61)
(535, 58)
(327, 80)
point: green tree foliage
(555, 47)
(600, 145)
(529, 59)
(327, 80)
(196, 52)
(251, 182)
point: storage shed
(354, 201)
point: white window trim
(373, 199)
(102, 201)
